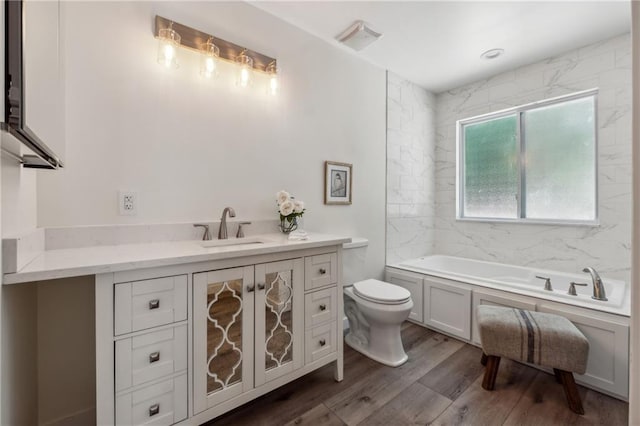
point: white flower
(286, 208)
(282, 196)
(298, 206)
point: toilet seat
(381, 292)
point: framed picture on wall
(337, 182)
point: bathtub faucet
(598, 288)
(547, 282)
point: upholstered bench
(536, 338)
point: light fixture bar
(195, 40)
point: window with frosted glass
(491, 168)
(536, 162)
(560, 159)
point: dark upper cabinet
(33, 81)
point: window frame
(518, 111)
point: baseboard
(79, 418)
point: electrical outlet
(128, 203)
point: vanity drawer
(319, 342)
(144, 304)
(320, 307)
(150, 356)
(320, 270)
(161, 404)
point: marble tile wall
(410, 170)
(607, 247)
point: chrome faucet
(222, 231)
(572, 288)
(207, 235)
(547, 282)
(240, 233)
(598, 288)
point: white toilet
(375, 309)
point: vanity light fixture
(172, 35)
(168, 43)
(492, 54)
(272, 70)
(210, 55)
(245, 74)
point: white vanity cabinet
(183, 344)
(323, 309)
(144, 304)
(150, 350)
(248, 328)
(320, 270)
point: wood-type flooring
(439, 385)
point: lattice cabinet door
(279, 333)
(223, 309)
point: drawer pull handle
(322, 271)
(322, 342)
(323, 307)
(251, 288)
(261, 286)
(154, 304)
(154, 409)
(154, 357)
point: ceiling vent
(358, 36)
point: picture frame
(338, 183)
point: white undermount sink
(231, 242)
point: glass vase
(288, 225)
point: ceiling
(437, 44)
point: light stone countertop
(64, 263)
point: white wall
(18, 352)
(19, 199)
(605, 65)
(410, 170)
(66, 364)
(190, 147)
(634, 376)
(19, 355)
(48, 353)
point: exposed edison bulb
(245, 74)
(169, 41)
(210, 54)
(273, 85)
(272, 70)
(209, 65)
(169, 55)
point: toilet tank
(354, 256)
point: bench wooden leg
(571, 391)
(491, 372)
(483, 360)
(556, 372)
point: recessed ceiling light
(492, 53)
(358, 36)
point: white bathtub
(522, 280)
